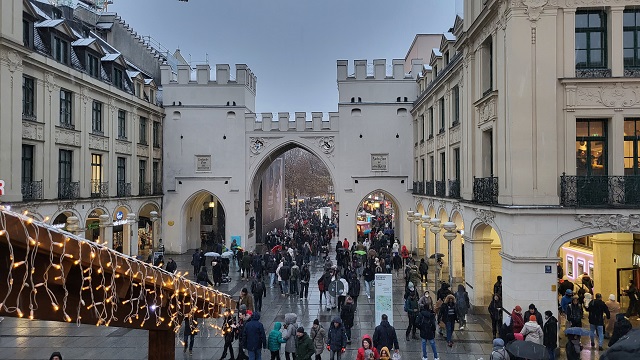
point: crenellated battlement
(283, 121)
(201, 75)
(378, 70)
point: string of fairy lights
(153, 294)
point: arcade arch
(92, 224)
(147, 236)
(377, 212)
(487, 262)
(120, 237)
(204, 220)
(59, 220)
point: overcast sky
(290, 45)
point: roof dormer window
(93, 66)
(61, 50)
(27, 33)
(138, 89)
(117, 78)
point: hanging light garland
(56, 258)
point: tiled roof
(49, 23)
(110, 57)
(83, 42)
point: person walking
(449, 315)
(337, 339)
(614, 310)
(367, 346)
(426, 301)
(369, 275)
(259, 291)
(499, 352)
(412, 310)
(255, 337)
(203, 278)
(347, 315)
(55, 356)
(319, 337)
(293, 279)
(246, 299)
(462, 305)
(597, 309)
(550, 331)
(304, 345)
(190, 331)
(275, 341)
(229, 333)
(291, 325)
(632, 293)
(385, 335)
(195, 261)
(171, 266)
(495, 312)
(531, 331)
(424, 270)
(574, 312)
(426, 322)
(305, 277)
(354, 289)
(620, 329)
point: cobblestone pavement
(24, 339)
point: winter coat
(275, 337)
(411, 306)
(414, 276)
(532, 332)
(361, 350)
(246, 262)
(574, 312)
(427, 325)
(404, 252)
(536, 313)
(425, 301)
(290, 332)
(597, 309)
(620, 329)
(337, 338)
(550, 331)
(248, 301)
(385, 336)
(573, 349)
(368, 274)
(614, 309)
(347, 314)
(448, 312)
(517, 321)
(499, 352)
(228, 330)
(304, 347)
(495, 309)
(564, 302)
(462, 302)
(254, 335)
(318, 335)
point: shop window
(591, 147)
(631, 25)
(631, 147)
(569, 266)
(591, 39)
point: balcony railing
(124, 189)
(454, 189)
(441, 188)
(600, 191)
(157, 189)
(428, 188)
(144, 189)
(485, 190)
(32, 190)
(593, 73)
(99, 189)
(68, 190)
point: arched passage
(146, 230)
(120, 237)
(92, 224)
(204, 220)
(59, 220)
(486, 262)
(377, 216)
(458, 248)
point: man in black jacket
(385, 335)
(426, 322)
(550, 330)
(597, 309)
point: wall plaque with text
(379, 162)
(203, 163)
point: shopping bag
(396, 356)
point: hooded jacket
(318, 335)
(385, 336)
(275, 337)
(304, 347)
(254, 335)
(361, 350)
(532, 332)
(347, 314)
(499, 352)
(516, 321)
(387, 354)
(290, 333)
(337, 338)
(550, 331)
(448, 311)
(427, 325)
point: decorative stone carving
(67, 205)
(157, 153)
(441, 141)
(50, 81)
(611, 96)
(32, 131)
(455, 135)
(67, 137)
(123, 147)
(143, 150)
(98, 142)
(534, 8)
(256, 145)
(456, 207)
(430, 143)
(12, 59)
(615, 222)
(485, 216)
(112, 104)
(84, 94)
(327, 144)
(487, 109)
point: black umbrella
(627, 348)
(433, 256)
(528, 350)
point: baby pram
(225, 271)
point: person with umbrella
(574, 312)
(550, 330)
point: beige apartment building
(527, 137)
(81, 123)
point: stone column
(154, 230)
(457, 259)
(131, 232)
(106, 231)
(477, 257)
(73, 225)
(569, 41)
(525, 280)
(616, 61)
(611, 251)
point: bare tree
(305, 174)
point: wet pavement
(24, 339)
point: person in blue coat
(337, 339)
(255, 337)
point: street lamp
(450, 234)
(417, 219)
(410, 219)
(435, 229)
(425, 225)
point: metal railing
(68, 190)
(600, 191)
(454, 189)
(99, 189)
(32, 190)
(485, 190)
(441, 188)
(157, 188)
(144, 189)
(124, 189)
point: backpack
(258, 288)
(321, 284)
(285, 272)
(354, 287)
(418, 321)
(582, 291)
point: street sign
(336, 287)
(1, 187)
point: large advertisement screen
(273, 195)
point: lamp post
(450, 234)
(410, 219)
(417, 219)
(435, 229)
(425, 225)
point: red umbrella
(276, 248)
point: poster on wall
(384, 297)
(273, 195)
(237, 239)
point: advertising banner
(384, 297)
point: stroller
(225, 271)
